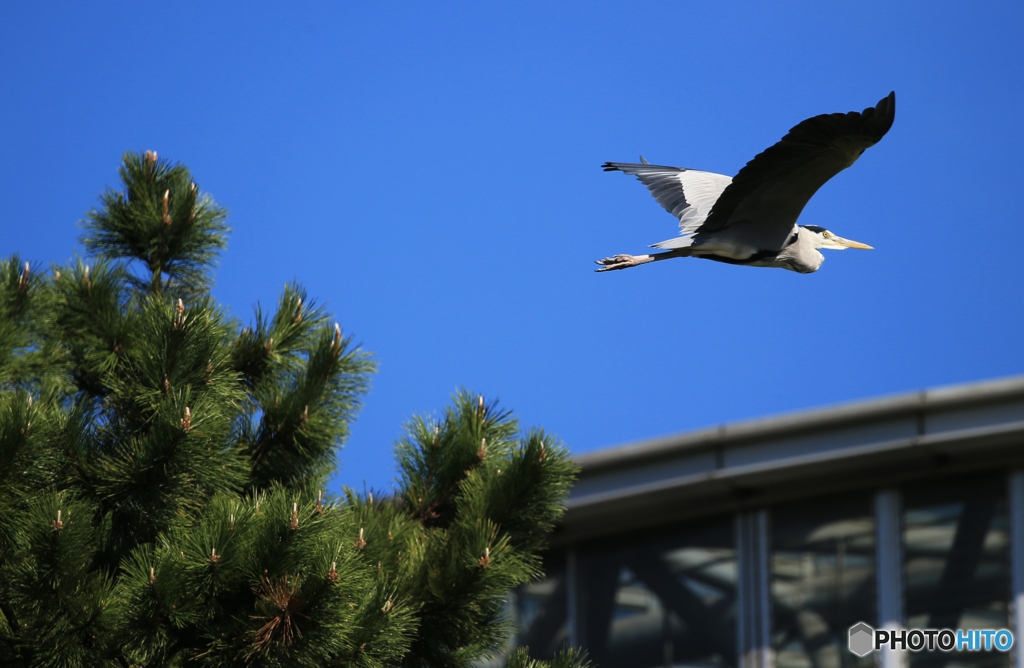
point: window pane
(957, 563)
(541, 611)
(822, 580)
(670, 602)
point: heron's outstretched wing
(685, 193)
(773, 188)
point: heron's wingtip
(884, 113)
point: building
(759, 544)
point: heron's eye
(828, 235)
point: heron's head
(825, 239)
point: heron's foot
(621, 262)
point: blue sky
(432, 172)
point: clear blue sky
(432, 172)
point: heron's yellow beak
(853, 244)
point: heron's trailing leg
(626, 261)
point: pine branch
(435, 457)
(570, 657)
(162, 220)
(305, 381)
(484, 499)
(28, 359)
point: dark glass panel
(541, 611)
(956, 563)
(822, 580)
(670, 602)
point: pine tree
(161, 468)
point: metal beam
(889, 564)
(753, 618)
(572, 597)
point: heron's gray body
(747, 244)
(752, 219)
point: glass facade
(542, 611)
(956, 563)
(672, 599)
(822, 561)
(669, 602)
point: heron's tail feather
(676, 243)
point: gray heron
(751, 219)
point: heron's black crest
(814, 228)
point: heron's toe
(616, 262)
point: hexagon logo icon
(862, 639)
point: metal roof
(753, 463)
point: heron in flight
(751, 219)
